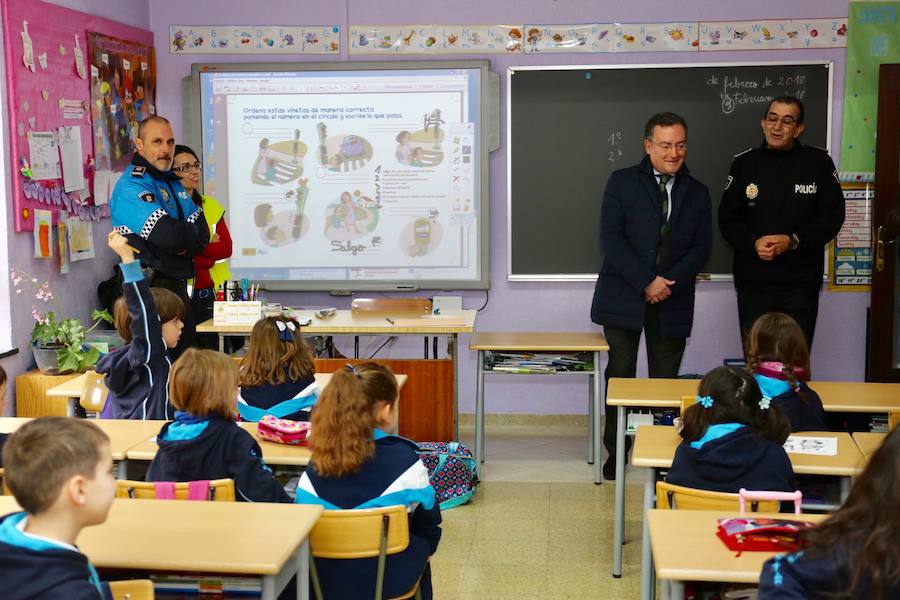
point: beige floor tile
(506, 552)
(495, 580)
(511, 530)
(588, 581)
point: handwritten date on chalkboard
(736, 91)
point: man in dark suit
(656, 234)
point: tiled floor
(538, 527)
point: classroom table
(346, 322)
(836, 396)
(686, 548)
(237, 538)
(868, 442)
(541, 342)
(654, 449)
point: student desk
(686, 548)
(837, 396)
(868, 442)
(243, 538)
(431, 419)
(654, 448)
(561, 342)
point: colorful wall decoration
(254, 39)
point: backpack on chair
(452, 472)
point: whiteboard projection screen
(349, 176)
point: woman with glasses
(210, 268)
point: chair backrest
(686, 402)
(217, 490)
(893, 420)
(94, 392)
(357, 533)
(677, 497)
(796, 496)
(133, 589)
(406, 305)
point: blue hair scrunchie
(705, 401)
(286, 330)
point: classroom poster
(123, 84)
(850, 253)
(872, 41)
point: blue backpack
(451, 470)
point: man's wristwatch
(794, 241)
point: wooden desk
(868, 442)
(209, 537)
(685, 548)
(654, 448)
(537, 342)
(837, 396)
(430, 410)
(31, 394)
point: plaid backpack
(451, 470)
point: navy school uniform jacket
(192, 449)
(37, 568)
(394, 475)
(289, 400)
(811, 575)
(630, 236)
(805, 414)
(137, 374)
(731, 456)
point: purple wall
(840, 341)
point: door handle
(880, 243)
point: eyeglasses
(666, 146)
(186, 167)
(787, 121)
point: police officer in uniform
(782, 204)
(152, 209)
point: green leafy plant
(66, 335)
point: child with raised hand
(778, 357)
(854, 553)
(278, 373)
(150, 321)
(732, 438)
(204, 442)
(61, 473)
(355, 464)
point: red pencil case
(761, 534)
(283, 431)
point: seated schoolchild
(277, 374)
(61, 473)
(853, 554)
(204, 442)
(732, 438)
(778, 357)
(356, 465)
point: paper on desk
(800, 444)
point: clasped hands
(658, 290)
(770, 246)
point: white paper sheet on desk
(801, 444)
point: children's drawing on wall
(344, 152)
(81, 239)
(422, 235)
(278, 162)
(123, 83)
(43, 233)
(351, 218)
(283, 227)
(422, 148)
(63, 237)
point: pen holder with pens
(236, 312)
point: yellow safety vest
(214, 212)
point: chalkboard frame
(573, 277)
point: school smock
(805, 413)
(137, 374)
(394, 475)
(192, 449)
(289, 400)
(811, 573)
(36, 567)
(152, 209)
(731, 456)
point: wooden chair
(220, 490)
(133, 589)
(93, 394)
(675, 497)
(367, 533)
(686, 402)
(893, 420)
(409, 307)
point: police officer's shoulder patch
(743, 152)
(728, 183)
(147, 196)
(138, 171)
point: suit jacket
(630, 236)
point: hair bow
(705, 401)
(286, 330)
(764, 403)
(352, 369)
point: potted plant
(58, 343)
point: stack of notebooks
(515, 362)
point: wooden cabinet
(31, 394)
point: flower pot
(47, 360)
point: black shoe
(609, 469)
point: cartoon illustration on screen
(278, 162)
(422, 148)
(344, 152)
(421, 236)
(351, 217)
(285, 226)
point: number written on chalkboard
(614, 139)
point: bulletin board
(52, 96)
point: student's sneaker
(609, 468)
